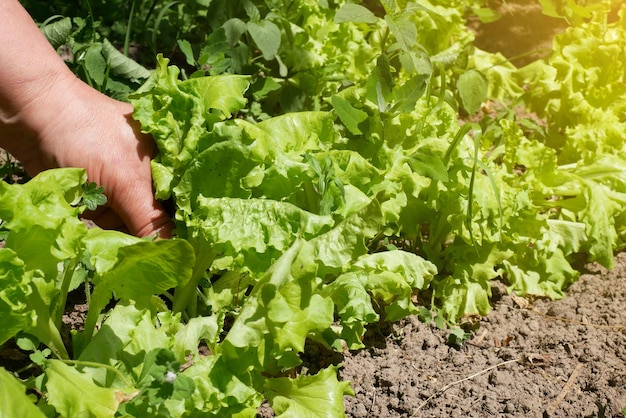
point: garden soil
(528, 358)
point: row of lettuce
(323, 180)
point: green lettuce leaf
(147, 268)
(388, 279)
(179, 113)
(220, 392)
(392, 277)
(15, 310)
(320, 395)
(73, 393)
(45, 238)
(42, 217)
(281, 311)
(144, 347)
(253, 232)
(13, 399)
(133, 272)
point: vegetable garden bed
(356, 187)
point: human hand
(76, 126)
(49, 118)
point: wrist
(36, 84)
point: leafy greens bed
(331, 166)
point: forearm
(31, 76)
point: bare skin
(49, 118)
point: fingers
(160, 226)
(106, 218)
(131, 195)
(140, 212)
(139, 209)
(149, 221)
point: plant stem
(53, 339)
(68, 274)
(129, 27)
(97, 303)
(91, 21)
(45, 328)
(183, 295)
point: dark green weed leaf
(391, 6)
(383, 75)
(425, 315)
(428, 164)
(440, 321)
(185, 48)
(349, 115)
(403, 29)
(473, 88)
(234, 28)
(93, 196)
(58, 32)
(122, 65)
(416, 62)
(266, 36)
(407, 95)
(40, 357)
(252, 11)
(458, 336)
(356, 13)
(96, 65)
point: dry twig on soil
(568, 386)
(448, 386)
